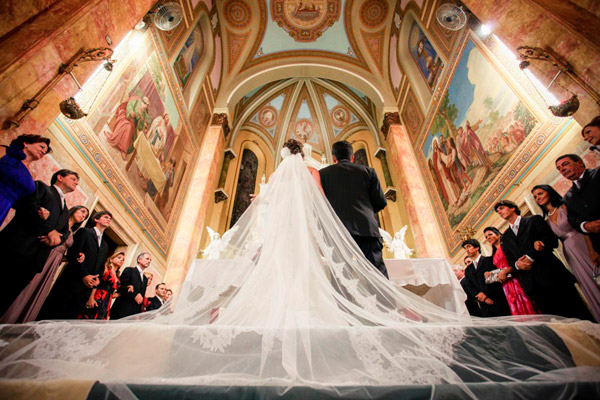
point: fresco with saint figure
(425, 56)
(479, 124)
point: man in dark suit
(132, 289)
(158, 300)
(41, 222)
(583, 199)
(74, 286)
(490, 298)
(356, 197)
(471, 301)
(528, 245)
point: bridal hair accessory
(285, 152)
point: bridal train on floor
(292, 302)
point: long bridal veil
(291, 301)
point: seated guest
(41, 223)
(130, 302)
(490, 298)
(99, 302)
(156, 302)
(591, 134)
(81, 274)
(528, 245)
(470, 302)
(518, 302)
(16, 181)
(582, 199)
(27, 306)
(577, 247)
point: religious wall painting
(303, 130)
(267, 116)
(424, 55)
(139, 125)
(340, 116)
(189, 55)
(479, 124)
(305, 21)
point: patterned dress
(518, 301)
(103, 296)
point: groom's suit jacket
(356, 196)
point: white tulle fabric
(291, 302)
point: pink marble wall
(428, 240)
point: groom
(356, 196)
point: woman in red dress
(518, 301)
(98, 305)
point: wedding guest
(27, 306)
(518, 302)
(41, 223)
(528, 245)
(577, 247)
(470, 302)
(81, 274)
(131, 302)
(490, 298)
(168, 294)
(582, 198)
(591, 134)
(16, 181)
(149, 276)
(156, 302)
(99, 302)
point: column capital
(389, 118)
(221, 120)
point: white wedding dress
(293, 302)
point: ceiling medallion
(373, 12)
(237, 13)
(340, 116)
(267, 116)
(305, 21)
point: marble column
(200, 194)
(428, 238)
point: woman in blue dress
(16, 181)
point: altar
(430, 278)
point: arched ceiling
(317, 111)
(346, 40)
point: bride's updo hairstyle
(294, 146)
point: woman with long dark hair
(518, 301)
(99, 302)
(577, 247)
(27, 306)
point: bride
(292, 302)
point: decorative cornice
(221, 120)
(389, 118)
(220, 195)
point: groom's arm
(378, 200)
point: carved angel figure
(397, 245)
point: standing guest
(591, 134)
(518, 302)
(98, 304)
(149, 276)
(578, 248)
(490, 297)
(41, 223)
(470, 302)
(168, 294)
(528, 245)
(72, 289)
(582, 201)
(27, 306)
(130, 302)
(355, 195)
(16, 181)
(156, 302)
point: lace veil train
(292, 302)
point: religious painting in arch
(479, 123)
(139, 126)
(424, 55)
(189, 55)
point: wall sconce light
(571, 105)
(68, 107)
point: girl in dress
(27, 306)
(518, 301)
(578, 249)
(98, 305)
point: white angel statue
(217, 244)
(397, 245)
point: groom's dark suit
(356, 196)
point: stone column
(200, 193)
(428, 238)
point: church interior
(172, 123)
